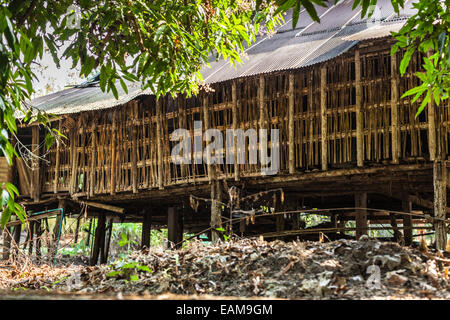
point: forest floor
(245, 268)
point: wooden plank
(74, 160)
(359, 115)
(291, 125)
(323, 118)
(431, 108)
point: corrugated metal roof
(309, 43)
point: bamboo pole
(235, 127)
(291, 124)
(159, 144)
(394, 111)
(323, 117)
(57, 162)
(113, 153)
(134, 148)
(359, 118)
(36, 164)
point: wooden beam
(395, 137)
(359, 112)
(104, 206)
(291, 124)
(323, 118)
(261, 103)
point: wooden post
(112, 189)
(216, 210)
(291, 124)
(440, 202)
(359, 115)
(77, 229)
(159, 144)
(105, 252)
(394, 111)
(36, 186)
(398, 237)
(235, 127)
(361, 214)
(407, 220)
(58, 220)
(38, 232)
(146, 230)
(31, 237)
(323, 116)
(182, 123)
(88, 241)
(6, 243)
(99, 238)
(57, 162)
(134, 148)
(16, 237)
(175, 227)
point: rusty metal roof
(309, 43)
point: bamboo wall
(352, 103)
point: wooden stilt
(146, 230)
(98, 239)
(361, 214)
(38, 232)
(16, 237)
(407, 220)
(175, 227)
(6, 243)
(216, 210)
(31, 238)
(88, 241)
(398, 237)
(108, 241)
(440, 202)
(77, 229)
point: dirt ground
(251, 269)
